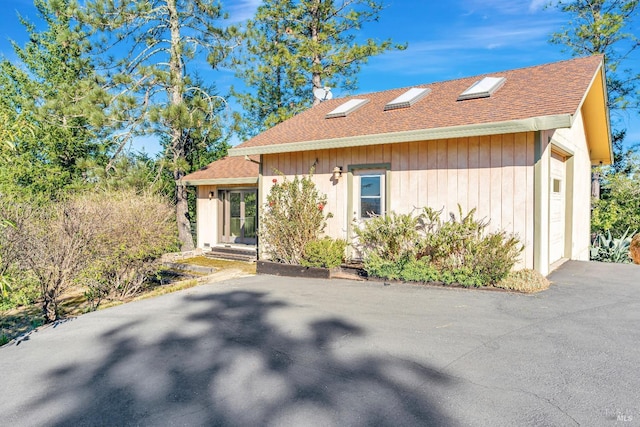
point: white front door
(557, 207)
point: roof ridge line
(424, 84)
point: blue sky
(447, 40)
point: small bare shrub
(135, 231)
(106, 241)
(55, 247)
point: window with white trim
(370, 189)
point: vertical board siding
(404, 196)
(412, 187)
(520, 193)
(493, 174)
(473, 178)
(484, 177)
(442, 189)
(463, 175)
(431, 174)
(395, 178)
(508, 187)
(452, 177)
(495, 188)
(423, 174)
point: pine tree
(608, 27)
(295, 46)
(54, 105)
(150, 45)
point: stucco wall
(493, 174)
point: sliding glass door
(240, 216)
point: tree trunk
(595, 184)
(176, 70)
(316, 78)
(182, 215)
(49, 306)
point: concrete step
(232, 253)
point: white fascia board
(494, 128)
(220, 181)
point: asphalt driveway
(279, 351)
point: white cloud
(536, 5)
(454, 51)
(505, 7)
(242, 10)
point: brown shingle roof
(544, 90)
(226, 168)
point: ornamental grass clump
(293, 216)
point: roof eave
(220, 181)
(599, 91)
(557, 121)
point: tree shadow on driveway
(229, 363)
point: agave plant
(606, 248)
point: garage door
(557, 207)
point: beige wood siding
(207, 216)
(493, 174)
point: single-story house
(516, 145)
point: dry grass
(203, 261)
(527, 281)
(19, 321)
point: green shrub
(468, 276)
(419, 271)
(24, 289)
(494, 256)
(376, 266)
(391, 237)
(450, 243)
(327, 253)
(292, 217)
(618, 209)
(473, 257)
(424, 248)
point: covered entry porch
(227, 203)
(238, 216)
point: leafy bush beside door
(293, 216)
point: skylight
(407, 99)
(482, 88)
(347, 108)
